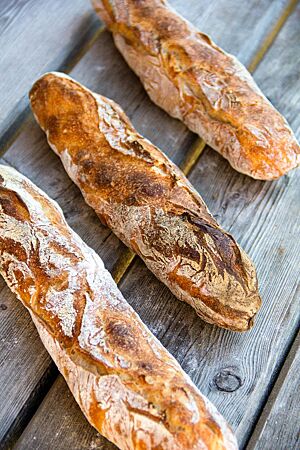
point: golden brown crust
(128, 386)
(147, 201)
(190, 77)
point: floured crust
(194, 80)
(147, 201)
(128, 386)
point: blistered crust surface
(137, 191)
(128, 386)
(191, 78)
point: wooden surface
(35, 36)
(237, 372)
(279, 421)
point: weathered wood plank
(37, 36)
(60, 409)
(270, 37)
(242, 36)
(103, 70)
(16, 366)
(279, 425)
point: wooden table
(252, 378)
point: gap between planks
(269, 39)
(274, 391)
(24, 119)
(22, 420)
(126, 259)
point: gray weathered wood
(37, 36)
(189, 339)
(279, 424)
(246, 25)
(64, 414)
(16, 365)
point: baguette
(194, 80)
(126, 383)
(147, 202)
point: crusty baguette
(147, 201)
(126, 383)
(191, 78)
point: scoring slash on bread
(194, 80)
(147, 202)
(126, 383)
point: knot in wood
(226, 380)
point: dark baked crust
(147, 201)
(194, 80)
(126, 383)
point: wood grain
(279, 423)
(37, 36)
(209, 355)
(16, 365)
(60, 409)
